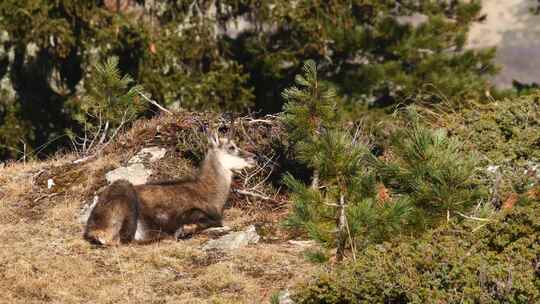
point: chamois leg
(110, 223)
(106, 235)
(200, 222)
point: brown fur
(114, 218)
(163, 209)
(186, 206)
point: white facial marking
(232, 162)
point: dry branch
(155, 103)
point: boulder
(136, 174)
(84, 214)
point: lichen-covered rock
(234, 240)
(136, 174)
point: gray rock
(234, 240)
(150, 154)
(492, 169)
(50, 183)
(136, 174)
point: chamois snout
(250, 158)
(232, 157)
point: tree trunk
(341, 230)
(315, 180)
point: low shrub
(499, 263)
(506, 133)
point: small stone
(234, 240)
(492, 168)
(150, 154)
(136, 174)
(284, 297)
(50, 183)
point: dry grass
(44, 259)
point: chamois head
(229, 155)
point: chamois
(178, 208)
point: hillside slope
(44, 259)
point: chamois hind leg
(108, 223)
(114, 218)
(198, 221)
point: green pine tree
(312, 107)
(110, 102)
(344, 210)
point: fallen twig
(257, 195)
(84, 159)
(46, 196)
(155, 103)
(473, 217)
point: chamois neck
(216, 178)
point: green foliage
(370, 50)
(110, 102)
(311, 107)
(274, 298)
(110, 97)
(343, 176)
(12, 130)
(316, 256)
(190, 54)
(431, 168)
(506, 133)
(346, 207)
(429, 174)
(497, 264)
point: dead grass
(44, 259)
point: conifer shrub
(425, 176)
(341, 208)
(111, 100)
(499, 263)
(434, 170)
